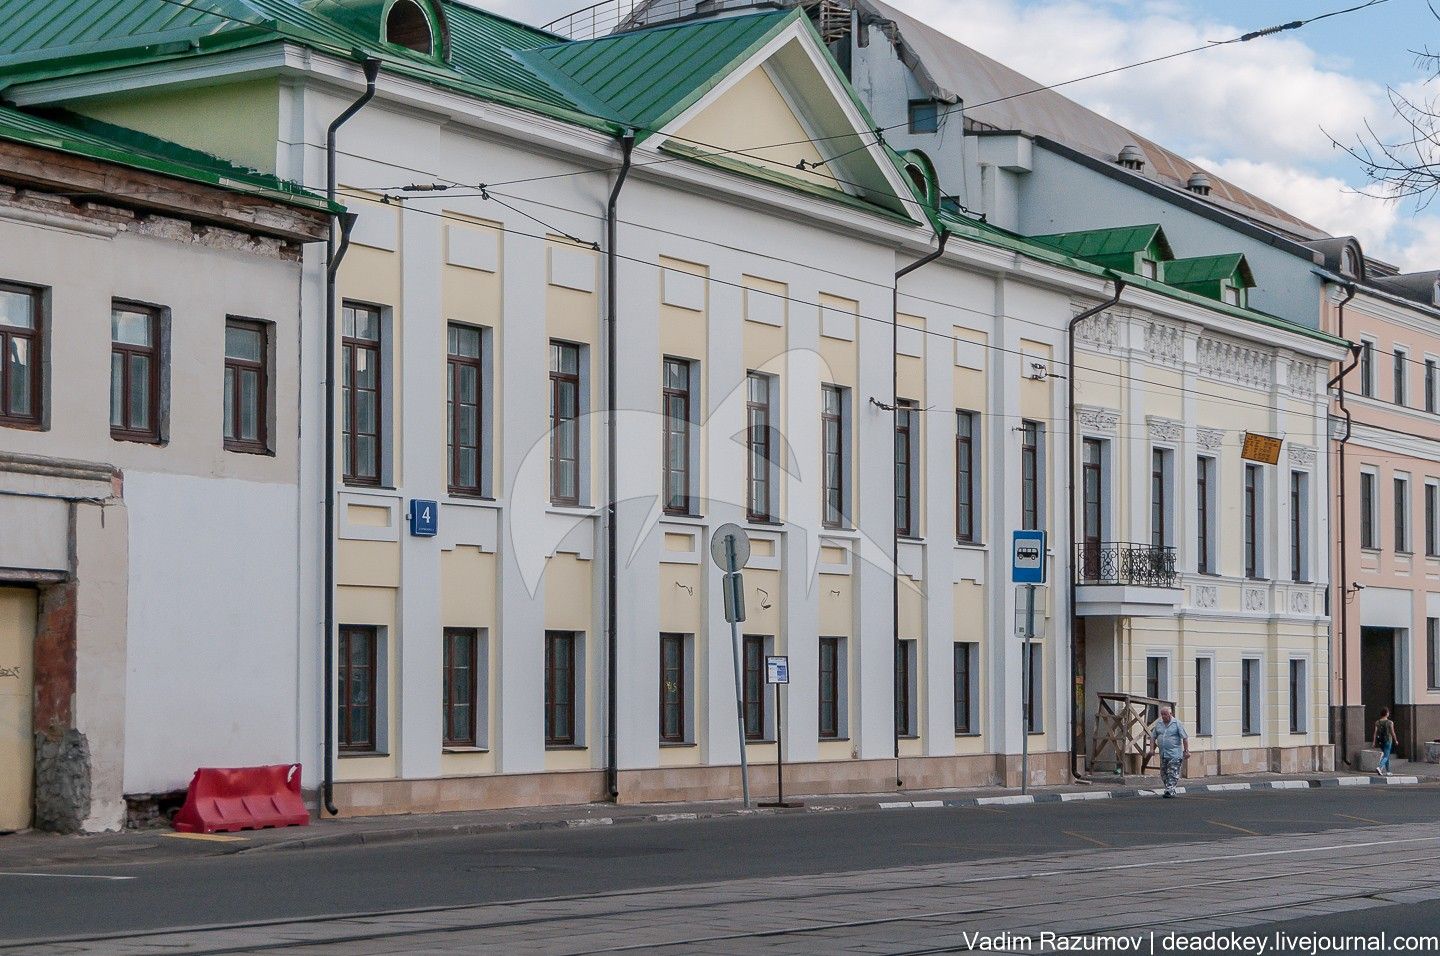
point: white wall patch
(572, 269)
(683, 290)
(969, 354)
(764, 307)
(838, 323)
(472, 248)
(376, 227)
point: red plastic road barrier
(243, 798)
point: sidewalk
(30, 849)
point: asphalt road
(171, 893)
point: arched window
(406, 25)
(1347, 262)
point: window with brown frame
(834, 451)
(905, 467)
(464, 414)
(759, 503)
(564, 423)
(21, 354)
(672, 688)
(559, 688)
(357, 688)
(675, 407)
(965, 477)
(134, 373)
(1032, 489)
(362, 393)
(965, 655)
(247, 383)
(754, 687)
(830, 687)
(904, 717)
(1204, 513)
(1251, 520)
(461, 652)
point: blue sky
(1251, 112)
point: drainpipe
(612, 643)
(944, 237)
(1344, 589)
(1077, 707)
(334, 255)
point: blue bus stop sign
(1027, 557)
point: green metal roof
(1104, 243)
(82, 136)
(648, 77)
(1202, 269)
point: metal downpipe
(1077, 707)
(1343, 595)
(944, 237)
(334, 255)
(612, 642)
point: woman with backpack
(1384, 740)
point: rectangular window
(1402, 377)
(246, 386)
(1402, 515)
(754, 687)
(1250, 696)
(1432, 652)
(1432, 515)
(134, 373)
(1035, 679)
(1299, 526)
(465, 381)
(559, 688)
(675, 407)
(1204, 696)
(1369, 512)
(1430, 396)
(905, 438)
(835, 452)
(1032, 479)
(924, 116)
(1254, 499)
(1161, 498)
(672, 688)
(21, 352)
(965, 510)
(759, 437)
(1299, 694)
(1092, 489)
(965, 685)
(361, 393)
(1367, 369)
(461, 653)
(830, 687)
(904, 688)
(1204, 515)
(1155, 684)
(564, 423)
(357, 665)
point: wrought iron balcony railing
(1119, 562)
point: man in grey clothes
(1173, 741)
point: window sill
(549, 747)
(833, 740)
(250, 450)
(574, 511)
(907, 736)
(971, 545)
(1404, 554)
(677, 744)
(22, 425)
(352, 754)
(688, 520)
(767, 740)
(464, 750)
(366, 486)
(136, 439)
(911, 538)
(767, 524)
(1301, 581)
(968, 733)
(468, 498)
(1038, 733)
(1251, 733)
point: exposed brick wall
(55, 660)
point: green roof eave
(93, 144)
(780, 178)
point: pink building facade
(1385, 468)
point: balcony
(1124, 579)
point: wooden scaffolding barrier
(1122, 730)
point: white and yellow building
(543, 647)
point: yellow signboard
(1261, 448)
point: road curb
(402, 834)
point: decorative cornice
(1210, 439)
(1302, 456)
(1166, 430)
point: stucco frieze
(1166, 430)
(1235, 363)
(1095, 419)
(1302, 456)
(1210, 439)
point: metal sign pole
(732, 567)
(1025, 691)
(779, 752)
